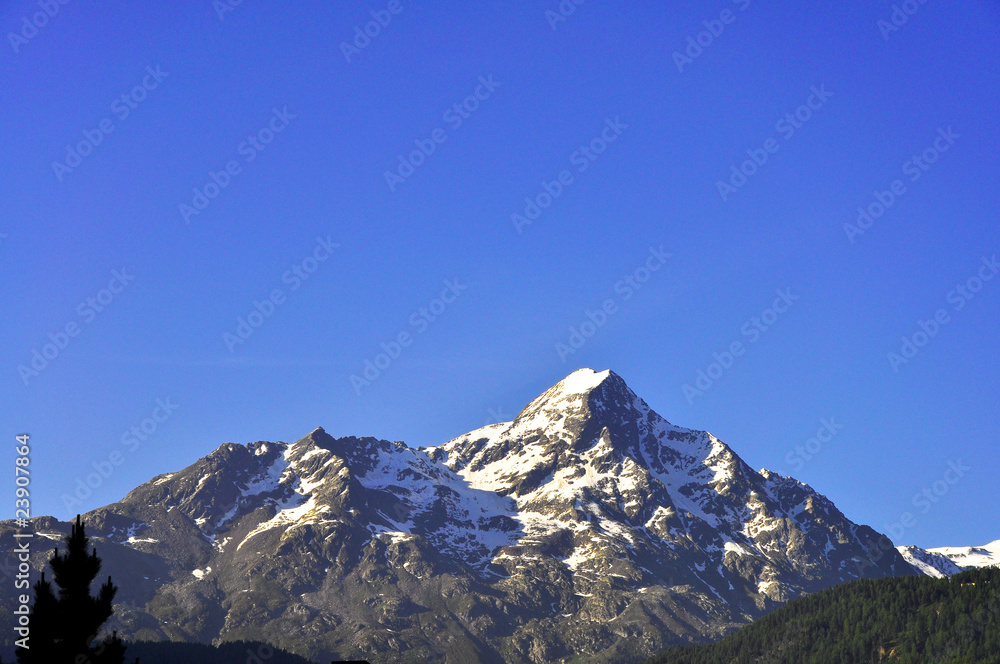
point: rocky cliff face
(588, 525)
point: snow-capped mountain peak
(588, 512)
(580, 382)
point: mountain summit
(588, 525)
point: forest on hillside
(906, 620)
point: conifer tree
(64, 627)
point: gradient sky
(556, 84)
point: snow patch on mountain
(269, 480)
(293, 514)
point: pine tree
(65, 627)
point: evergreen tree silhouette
(64, 627)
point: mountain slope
(947, 560)
(904, 620)
(242, 652)
(587, 525)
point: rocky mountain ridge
(948, 560)
(587, 526)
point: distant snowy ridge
(947, 560)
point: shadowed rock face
(588, 524)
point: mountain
(588, 525)
(235, 652)
(946, 560)
(910, 620)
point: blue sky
(616, 123)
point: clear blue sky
(661, 132)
